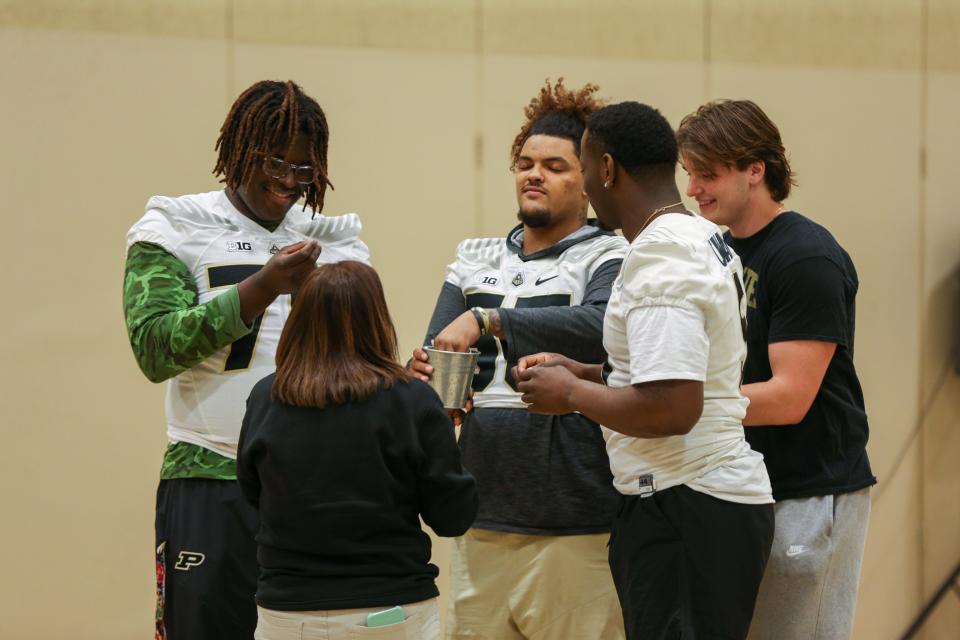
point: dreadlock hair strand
(268, 116)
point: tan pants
(509, 586)
(422, 622)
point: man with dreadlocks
(206, 293)
(535, 562)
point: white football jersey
(681, 279)
(220, 247)
(492, 274)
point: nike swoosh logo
(539, 281)
(796, 550)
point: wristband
(483, 319)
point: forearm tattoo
(496, 327)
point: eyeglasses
(279, 169)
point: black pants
(206, 561)
(687, 565)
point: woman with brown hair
(342, 452)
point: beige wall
(108, 102)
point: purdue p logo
(189, 559)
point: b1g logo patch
(239, 246)
(188, 560)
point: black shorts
(688, 565)
(206, 561)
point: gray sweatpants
(809, 589)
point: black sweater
(339, 491)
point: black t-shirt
(801, 285)
(340, 493)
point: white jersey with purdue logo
(491, 273)
(220, 247)
(676, 312)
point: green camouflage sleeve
(185, 460)
(168, 330)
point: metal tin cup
(452, 374)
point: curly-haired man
(534, 565)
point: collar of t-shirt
(745, 246)
(589, 230)
(231, 209)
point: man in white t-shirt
(691, 541)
